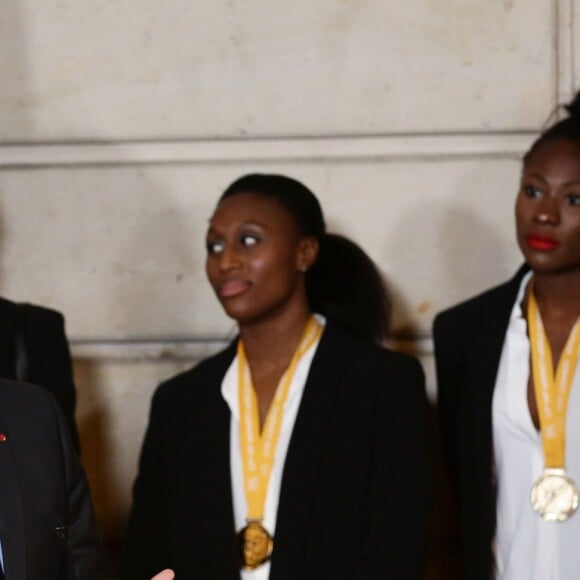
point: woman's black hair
(567, 129)
(344, 284)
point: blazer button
(60, 532)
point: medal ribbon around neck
(258, 450)
(552, 392)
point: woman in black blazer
(347, 495)
(514, 493)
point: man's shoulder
(32, 313)
(21, 397)
(29, 415)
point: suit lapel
(304, 454)
(12, 531)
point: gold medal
(555, 496)
(256, 545)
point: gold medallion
(256, 545)
(555, 496)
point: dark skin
(256, 264)
(548, 226)
(268, 359)
(559, 311)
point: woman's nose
(229, 258)
(547, 211)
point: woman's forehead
(252, 207)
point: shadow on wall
(457, 254)
(112, 419)
(97, 448)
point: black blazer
(47, 526)
(39, 334)
(468, 342)
(353, 500)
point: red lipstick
(541, 243)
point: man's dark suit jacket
(353, 500)
(47, 527)
(33, 339)
(468, 344)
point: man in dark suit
(47, 525)
(34, 349)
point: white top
(230, 394)
(527, 547)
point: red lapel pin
(2, 437)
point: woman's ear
(307, 253)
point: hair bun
(573, 108)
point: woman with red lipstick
(509, 383)
(300, 450)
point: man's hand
(164, 575)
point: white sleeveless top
(527, 547)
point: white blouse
(229, 391)
(527, 547)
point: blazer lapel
(304, 453)
(476, 440)
(12, 532)
(217, 516)
(487, 352)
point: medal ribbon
(552, 392)
(258, 450)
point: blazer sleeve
(86, 558)
(450, 361)
(395, 546)
(144, 551)
(48, 359)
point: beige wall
(120, 127)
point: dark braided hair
(567, 129)
(344, 284)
